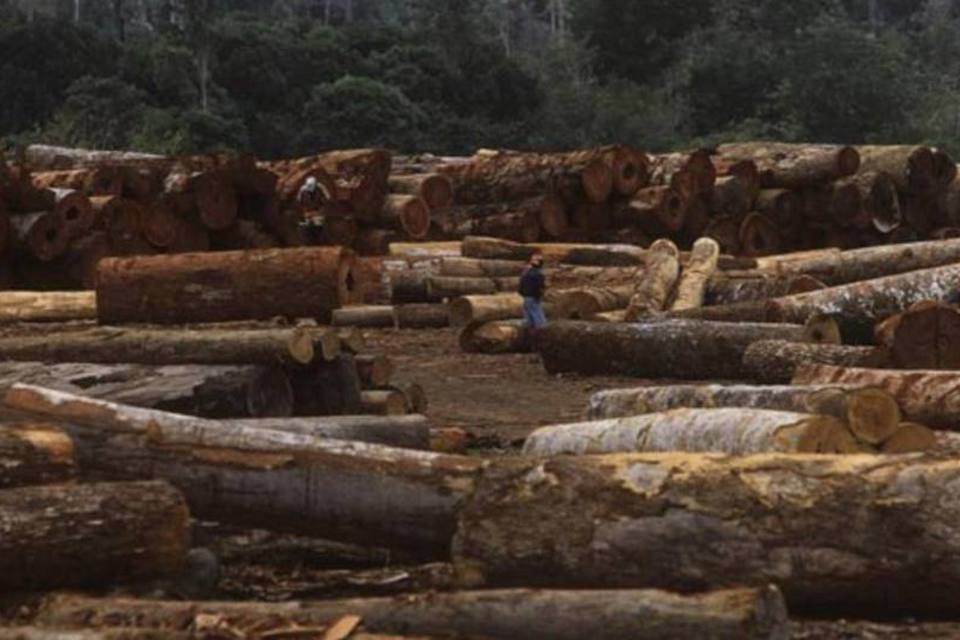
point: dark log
(690, 174)
(42, 234)
(656, 210)
(421, 316)
(369, 316)
(374, 370)
(104, 180)
(32, 453)
(759, 236)
(383, 402)
(926, 336)
(75, 210)
(912, 168)
(776, 361)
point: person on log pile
(311, 198)
(533, 284)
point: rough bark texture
(775, 361)
(363, 316)
(208, 287)
(497, 614)
(696, 276)
(657, 283)
(91, 534)
(406, 432)
(734, 287)
(683, 349)
(44, 306)
(794, 166)
(855, 535)
(34, 454)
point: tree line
(289, 77)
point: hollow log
(47, 306)
(208, 287)
(912, 168)
(434, 188)
(32, 453)
(350, 491)
(409, 214)
(777, 361)
(696, 276)
(681, 349)
(735, 431)
(926, 336)
(795, 166)
(42, 234)
(91, 534)
(659, 278)
(75, 210)
(500, 306)
(410, 431)
(421, 316)
(290, 347)
(501, 336)
(496, 614)
(700, 521)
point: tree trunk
(554, 253)
(309, 282)
(655, 286)
(405, 432)
(759, 236)
(696, 521)
(697, 273)
(690, 174)
(859, 306)
(440, 287)
(496, 614)
(480, 268)
(681, 349)
(355, 492)
(421, 316)
(925, 397)
(47, 306)
(91, 534)
(409, 214)
(34, 454)
(330, 389)
(926, 336)
(912, 168)
(368, 316)
(433, 188)
(754, 311)
(290, 347)
(43, 157)
(213, 196)
(42, 234)
(731, 196)
(783, 206)
(518, 227)
(776, 361)
(734, 431)
(658, 211)
(733, 287)
(500, 306)
(878, 193)
(795, 166)
(725, 229)
(92, 181)
(587, 303)
(502, 336)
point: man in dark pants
(532, 287)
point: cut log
(912, 168)
(700, 521)
(480, 268)
(329, 389)
(229, 285)
(783, 206)
(409, 214)
(500, 306)
(106, 345)
(425, 250)
(795, 166)
(214, 197)
(681, 349)
(33, 453)
(75, 210)
(776, 361)
(872, 415)
(878, 194)
(734, 287)
(859, 306)
(731, 196)
(753, 311)
(434, 188)
(910, 438)
(587, 303)
(369, 316)
(383, 402)
(926, 336)
(495, 614)
(406, 432)
(926, 397)
(501, 336)
(656, 210)
(689, 173)
(103, 180)
(91, 534)
(759, 236)
(440, 287)
(360, 493)
(374, 370)
(421, 316)
(691, 289)
(414, 395)
(737, 431)
(657, 283)
(518, 227)
(47, 306)
(34, 633)
(725, 229)
(582, 254)
(42, 234)
(42, 157)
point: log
(409, 214)
(776, 361)
(697, 273)
(329, 389)
(750, 311)
(681, 349)
(878, 195)
(32, 453)
(47, 306)
(368, 316)
(410, 431)
(500, 306)
(374, 370)
(288, 347)
(440, 287)
(911, 438)
(859, 306)
(725, 229)
(517, 226)
(732, 287)
(422, 250)
(495, 614)
(229, 285)
(42, 157)
(689, 173)
(349, 491)
(783, 206)
(91, 534)
(75, 210)
(213, 196)
(383, 402)
(736, 431)
(795, 166)
(759, 236)
(501, 336)
(433, 188)
(421, 316)
(731, 196)
(34, 633)
(205, 391)
(42, 234)
(926, 336)
(554, 253)
(912, 168)
(656, 210)
(659, 278)
(588, 303)
(704, 521)
(925, 397)
(92, 181)
(414, 395)
(480, 268)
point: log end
(873, 415)
(910, 438)
(822, 329)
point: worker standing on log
(532, 287)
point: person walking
(533, 285)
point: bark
(495, 614)
(554, 253)
(501, 336)
(204, 391)
(368, 316)
(422, 250)
(212, 195)
(518, 227)
(34, 633)
(480, 268)
(752, 286)
(783, 206)
(777, 361)
(725, 229)
(698, 521)
(91, 534)
(926, 336)
(289, 347)
(440, 287)
(912, 168)
(329, 389)
(750, 311)
(49, 306)
(735, 431)
(925, 397)
(409, 214)
(349, 491)
(697, 273)
(434, 188)
(34, 454)
(759, 235)
(659, 278)
(795, 166)
(859, 306)
(421, 316)
(406, 432)
(681, 349)
(587, 303)
(500, 306)
(308, 282)
(42, 234)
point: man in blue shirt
(532, 286)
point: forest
(281, 78)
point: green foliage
(99, 113)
